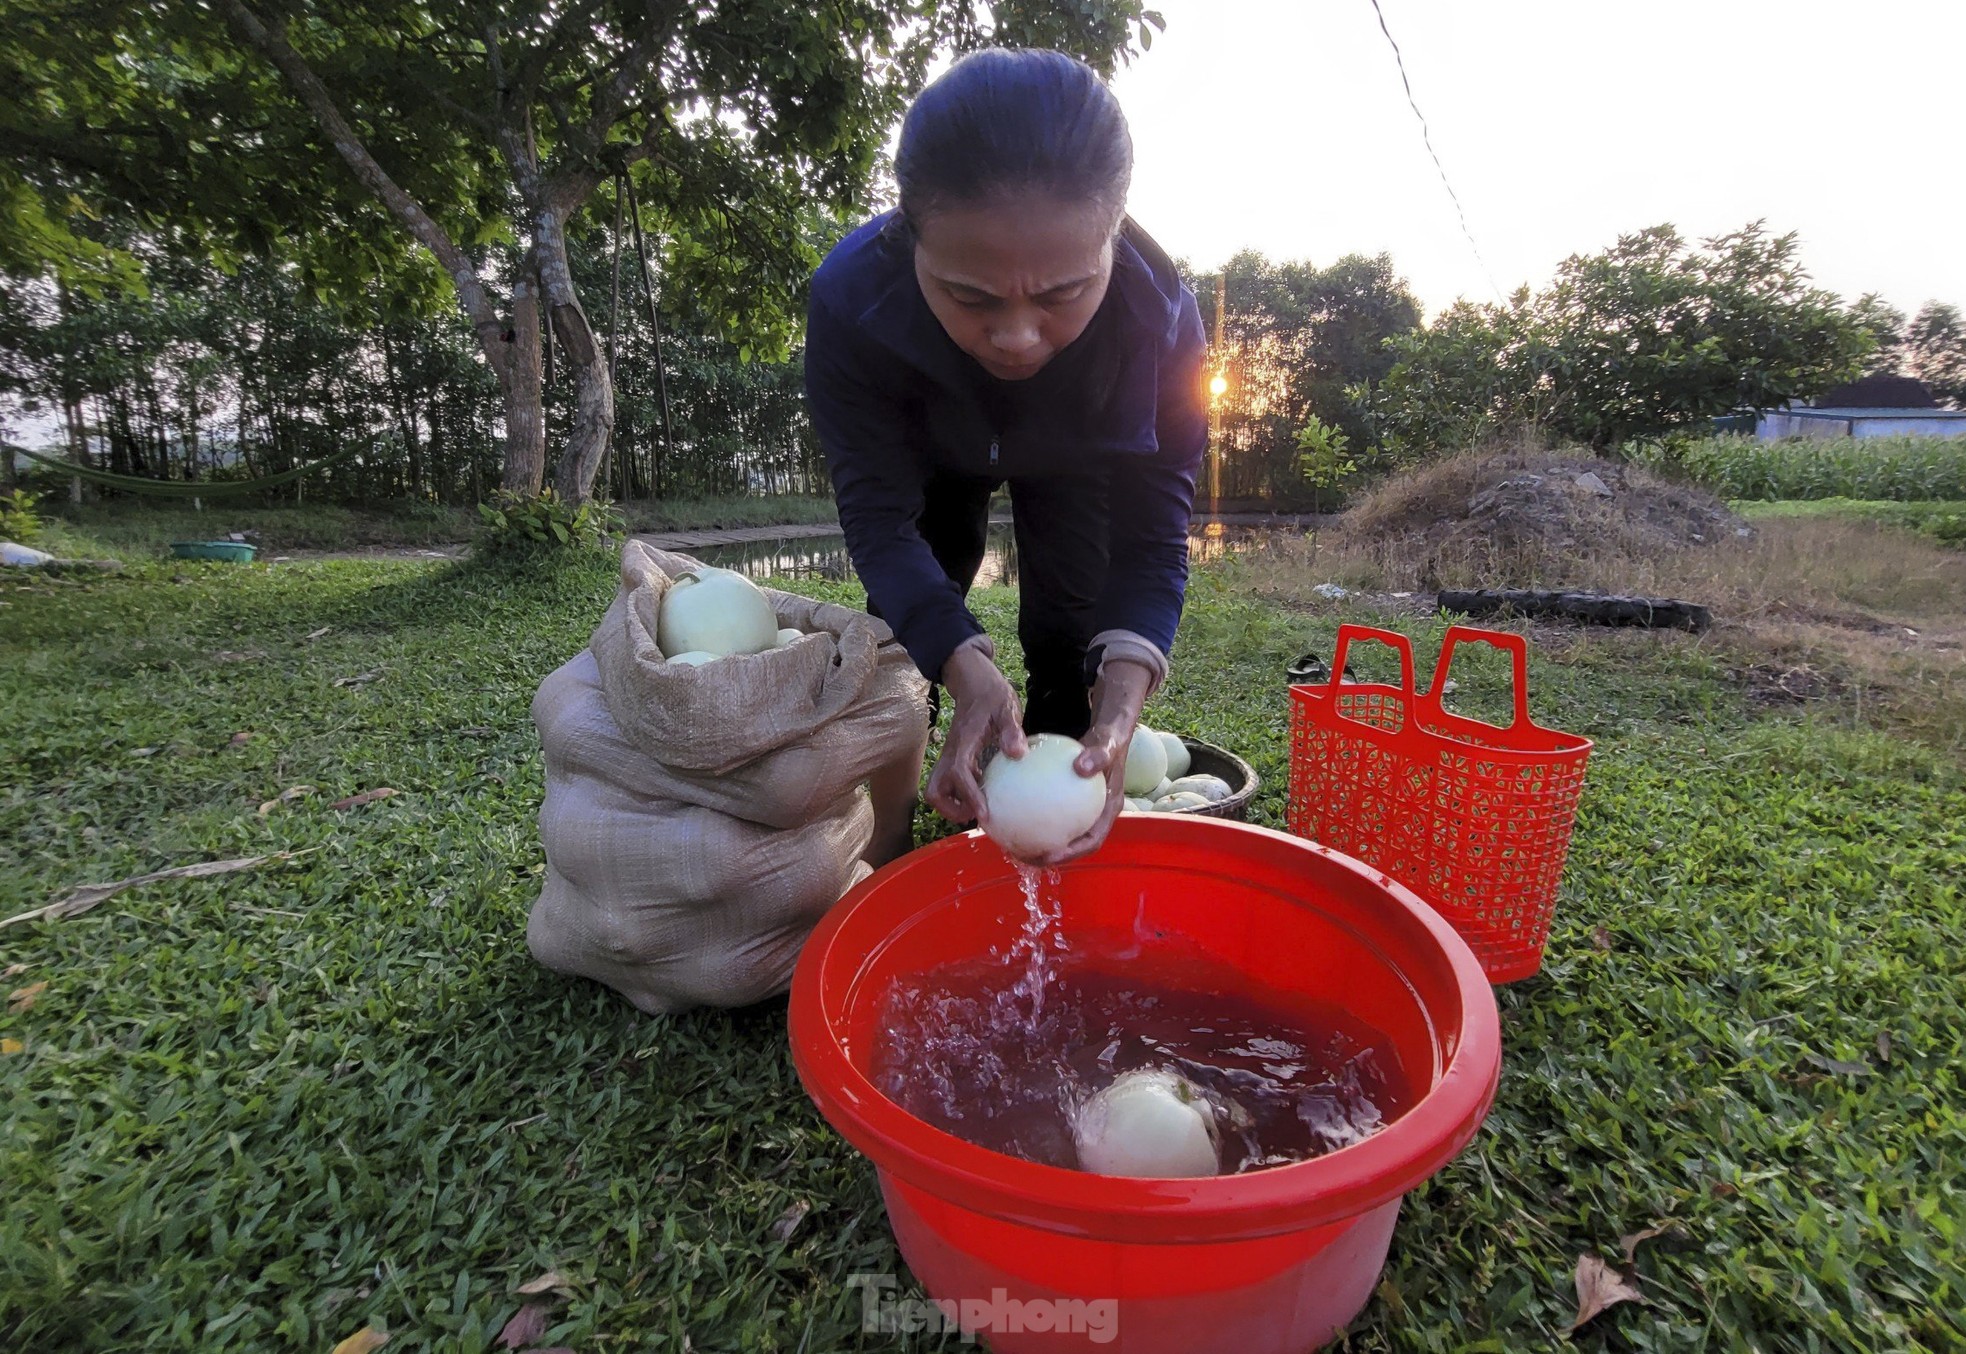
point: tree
(1935, 351)
(1885, 324)
(1300, 344)
(1651, 335)
(345, 135)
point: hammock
(139, 484)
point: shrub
(520, 524)
(20, 521)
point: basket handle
(1512, 645)
(1392, 639)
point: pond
(826, 556)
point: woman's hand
(1117, 700)
(987, 713)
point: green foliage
(1944, 522)
(1934, 351)
(20, 517)
(239, 130)
(1885, 324)
(1324, 454)
(524, 523)
(1898, 468)
(1929, 346)
(1299, 343)
(263, 1111)
(1649, 336)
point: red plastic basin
(1274, 1261)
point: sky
(1281, 125)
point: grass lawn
(144, 529)
(1941, 519)
(263, 1111)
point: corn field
(1905, 469)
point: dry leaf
(359, 679)
(93, 895)
(552, 1279)
(287, 795)
(1837, 1065)
(313, 635)
(23, 998)
(240, 739)
(143, 752)
(1884, 1046)
(788, 1221)
(1601, 938)
(362, 1341)
(366, 797)
(1630, 1244)
(11, 1046)
(12, 971)
(1599, 1288)
(526, 1325)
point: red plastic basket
(1473, 817)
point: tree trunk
(593, 384)
(519, 380)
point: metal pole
(1221, 367)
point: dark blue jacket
(893, 398)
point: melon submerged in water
(1149, 1122)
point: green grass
(1943, 521)
(138, 529)
(709, 514)
(1897, 468)
(261, 1111)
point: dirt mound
(1534, 518)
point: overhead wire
(1426, 136)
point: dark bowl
(1205, 759)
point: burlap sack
(700, 820)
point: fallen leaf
(552, 1279)
(1630, 1244)
(1838, 1066)
(1721, 1189)
(12, 971)
(1599, 1288)
(11, 1046)
(1601, 938)
(362, 1341)
(93, 895)
(240, 739)
(313, 635)
(526, 1325)
(359, 679)
(366, 797)
(1884, 1046)
(285, 796)
(143, 752)
(788, 1221)
(23, 998)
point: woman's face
(1016, 281)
